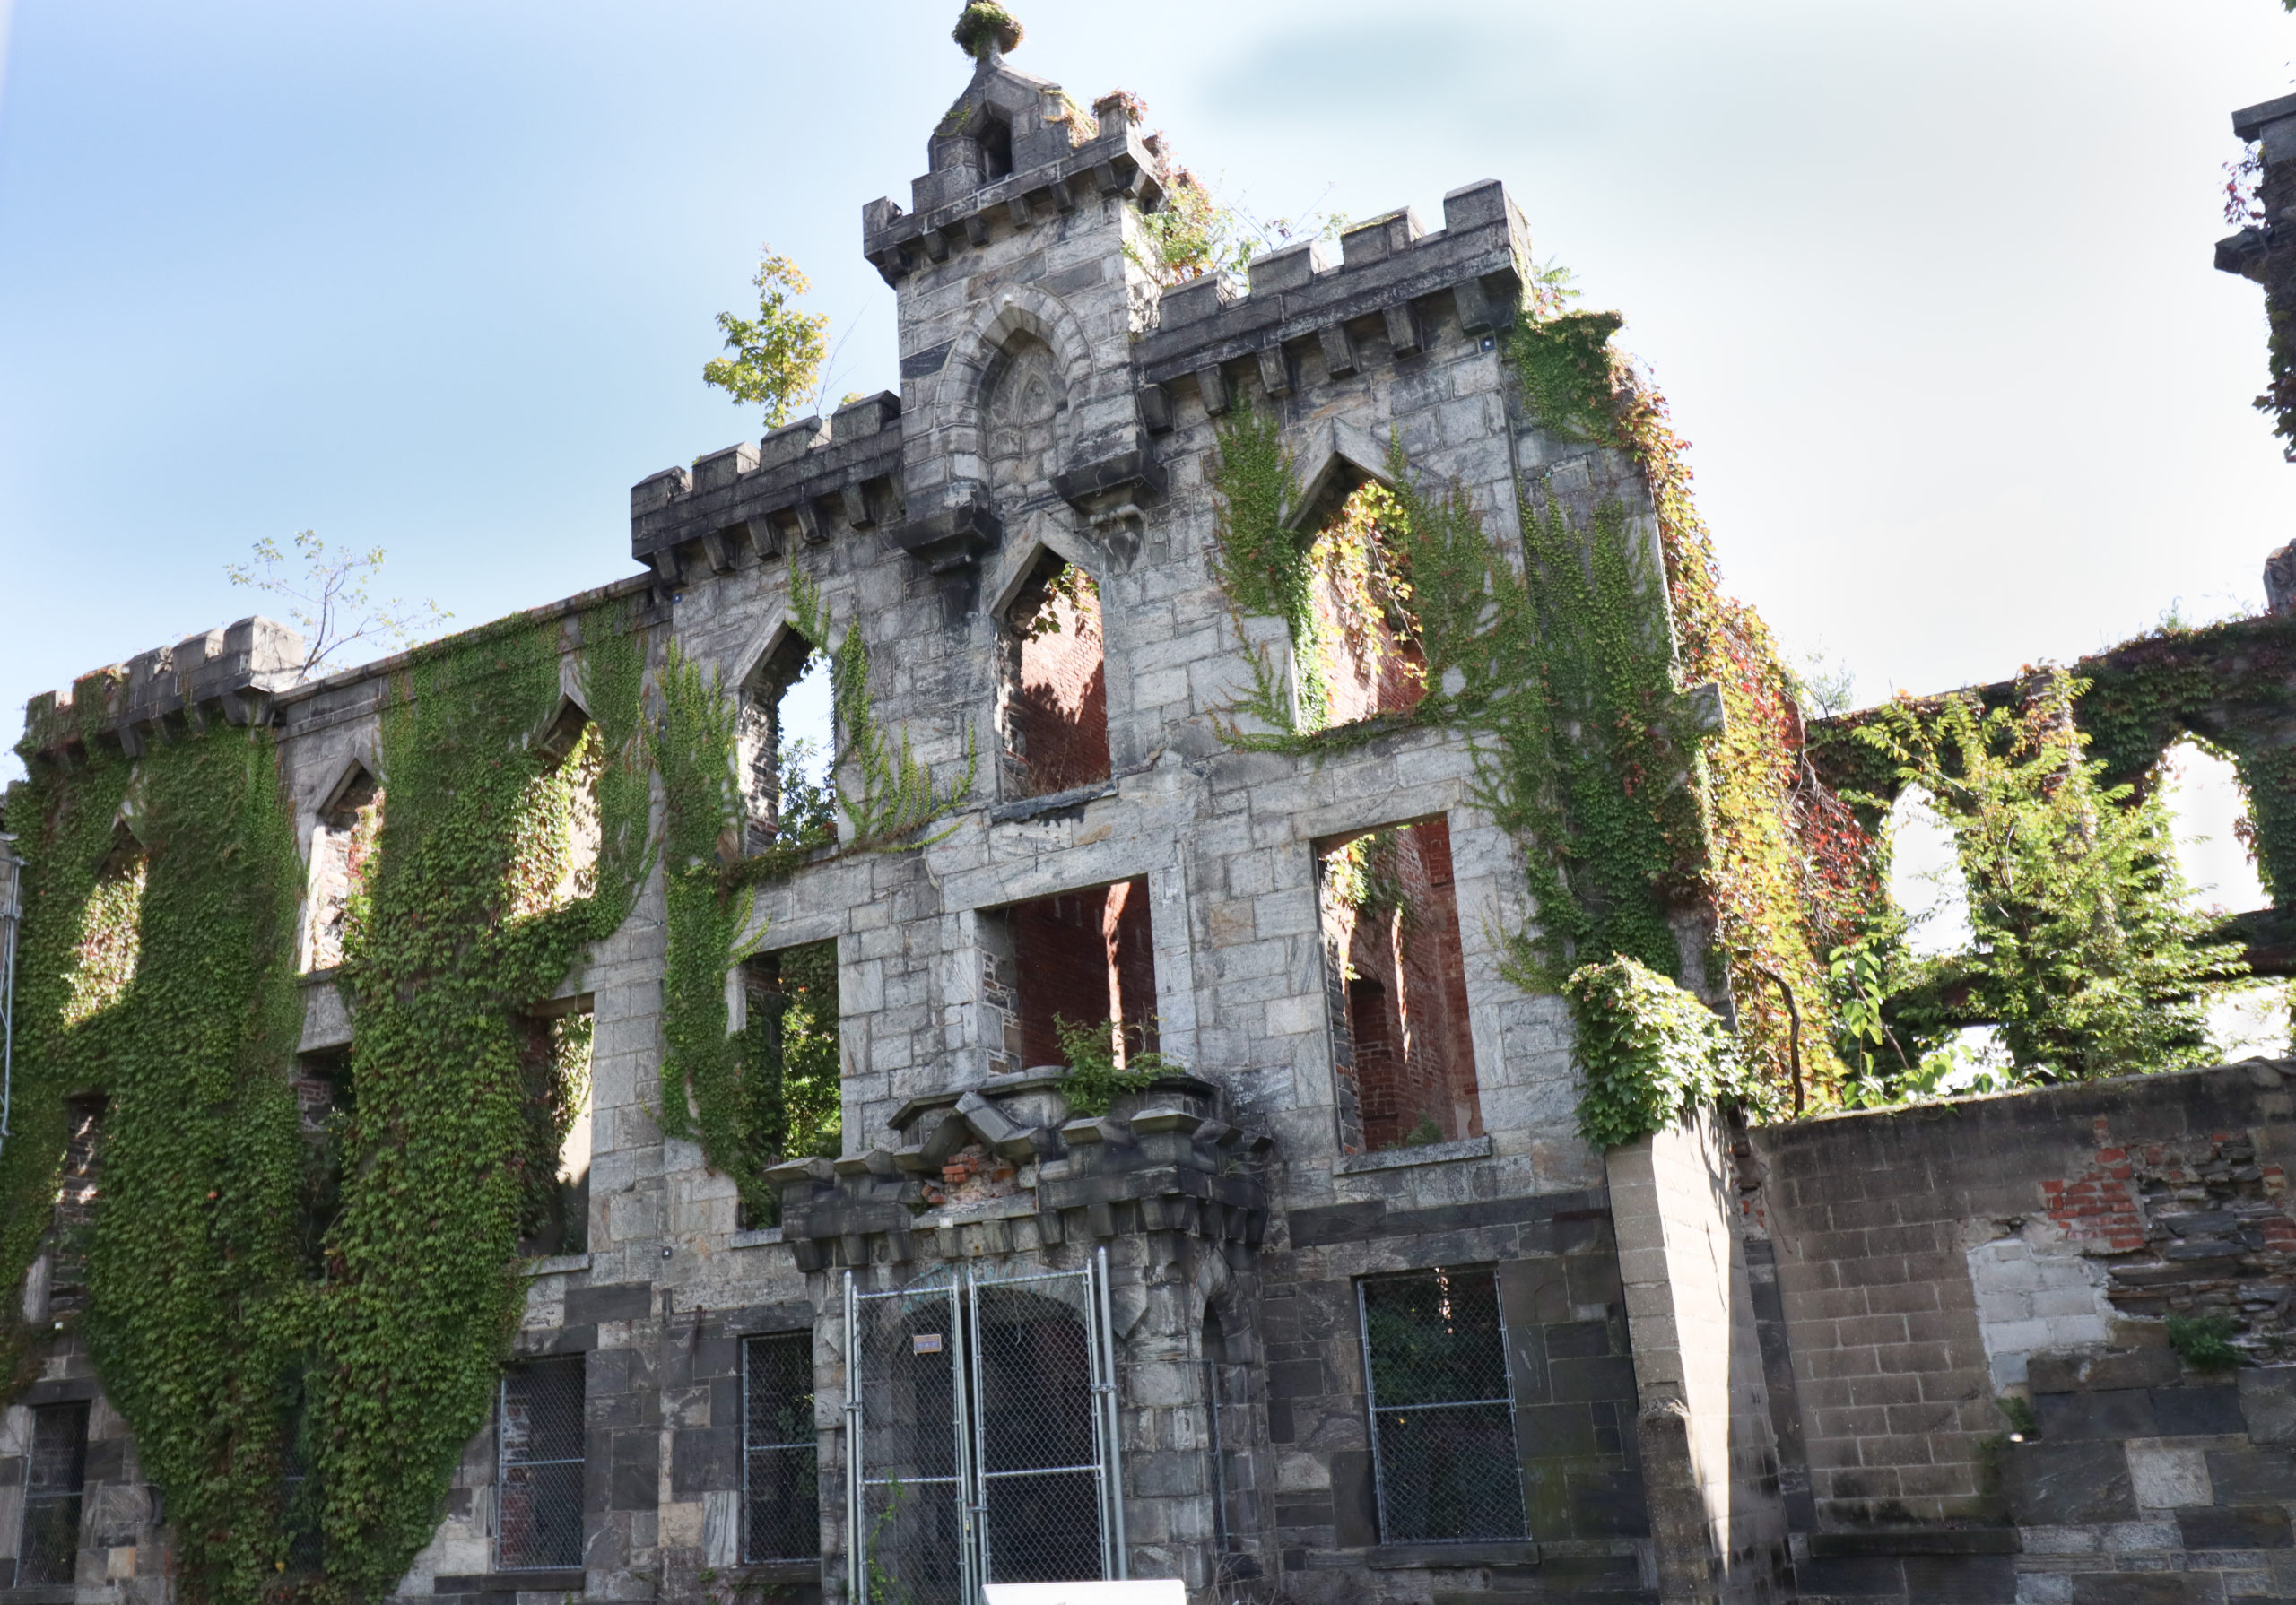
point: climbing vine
(451, 1138)
(157, 969)
(1785, 870)
(732, 1091)
(1651, 1052)
(1566, 667)
(708, 927)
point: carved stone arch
(128, 842)
(972, 364)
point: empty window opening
(554, 1063)
(1083, 958)
(78, 1194)
(554, 860)
(538, 1473)
(1397, 978)
(1442, 1408)
(788, 747)
(111, 942)
(781, 1498)
(55, 1483)
(342, 853)
(322, 1087)
(1054, 701)
(792, 1067)
(2216, 848)
(1360, 658)
(996, 150)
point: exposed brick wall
(1083, 956)
(1398, 989)
(1371, 671)
(2195, 1224)
(1055, 700)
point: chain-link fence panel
(1038, 1428)
(905, 1377)
(538, 1486)
(1443, 1411)
(49, 1550)
(781, 1496)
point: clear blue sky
(1927, 282)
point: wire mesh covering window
(538, 1482)
(780, 1452)
(1442, 1412)
(52, 1494)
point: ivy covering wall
(233, 1354)
(1566, 657)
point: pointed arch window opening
(1053, 697)
(786, 744)
(344, 841)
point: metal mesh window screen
(910, 1543)
(538, 1489)
(1442, 1412)
(780, 1452)
(299, 1499)
(53, 1485)
(1039, 1437)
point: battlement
(1113, 163)
(803, 481)
(1386, 267)
(231, 673)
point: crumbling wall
(1971, 1301)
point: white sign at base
(1163, 1590)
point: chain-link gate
(981, 1415)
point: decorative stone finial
(987, 29)
(2280, 580)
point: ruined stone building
(1208, 1197)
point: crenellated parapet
(227, 675)
(1387, 279)
(803, 484)
(1002, 1167)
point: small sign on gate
(925, 1342)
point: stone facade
(1709, 1366)
(1057, 407)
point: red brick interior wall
(1372, 671)
(1408, 1052)
(1084, 956)
(1056, 695)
